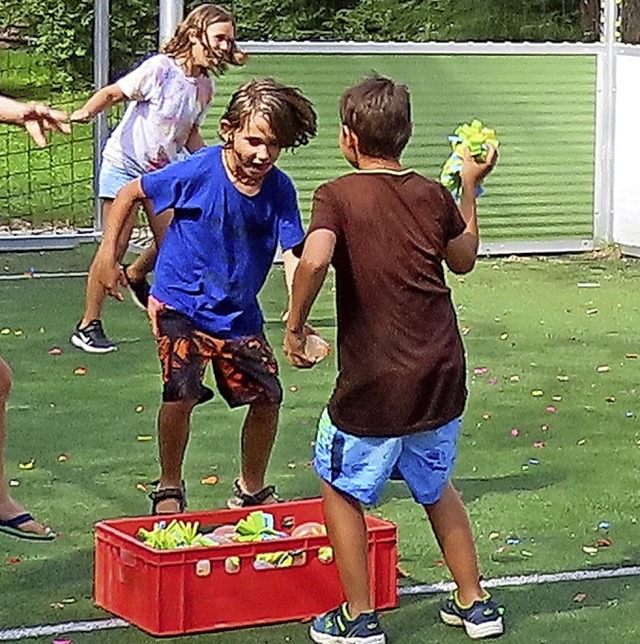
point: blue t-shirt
(218, 250)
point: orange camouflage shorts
(244, 368)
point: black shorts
(245, 368)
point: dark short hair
(289, 113)
(378, 110)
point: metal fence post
(171, 12)
(605, 127)
(100, 79)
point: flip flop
(12, 527)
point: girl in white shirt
(169, 95)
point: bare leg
(9, 508)
(173, 435)
(95, 294)
(258, 435)
(143, 264)
(348, 534)
(452, 530)
(158, 223)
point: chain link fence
(46, 189)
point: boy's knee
(266, 406)
(185, 405)
(448, 494)
(6, 378)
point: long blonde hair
(199, 20)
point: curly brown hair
(288, 111)
(199, 20)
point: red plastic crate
(173, 592)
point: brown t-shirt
(400, 356)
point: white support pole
(605, 128)
(100, 79)
(171, 12)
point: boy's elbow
(313, 266)
(462, 266)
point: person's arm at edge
(461, 252)
(307, 282)
(12, 111)
(106, 263)
(36, 118)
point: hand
(81, 116)
(294, 348)
(474, 169)
(38, 119)
(153, 309)
(110, 276)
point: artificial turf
(531, 325)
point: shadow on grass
(473, 489)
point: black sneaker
(92, 339)
(139, 291)
(484, 618)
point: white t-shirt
(165, 105)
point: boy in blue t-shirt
(396, 408)
(231, 208)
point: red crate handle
(127, 558)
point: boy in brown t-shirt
(400, 392)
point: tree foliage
(61, 31)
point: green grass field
(527, 323)
(542, 190)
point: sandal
(13, 527)
(242, 499)
(178, 494)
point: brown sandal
(242, 499)
(178, 494)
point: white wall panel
(626, 195)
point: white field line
(49, 630)
(36, 275)
(526, 580)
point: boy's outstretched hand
(297, 350)
(474, 169)
(110, 276)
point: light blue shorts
(360, 466)
(111, 179)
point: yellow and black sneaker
(338, 627)
(482, 619)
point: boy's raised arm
(462, 251)
(307, 282)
